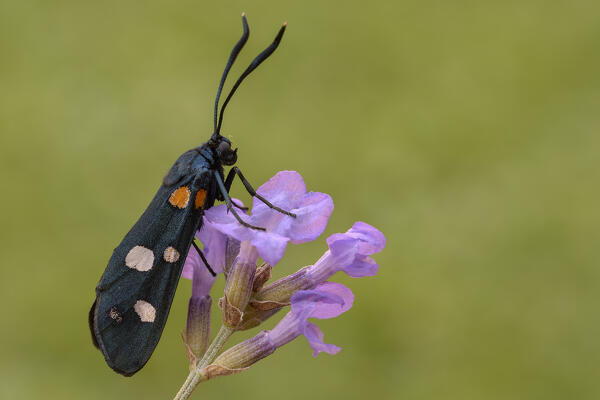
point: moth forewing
(135, 293)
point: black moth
(135, 292)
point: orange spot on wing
(200, 197)
(180, 197)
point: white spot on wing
(145, 310)
(140, 258)
(171, 255)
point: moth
(134, 295)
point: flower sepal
(197, 330)
(254, 317)
(232, 316)
(263, 274)
(190, 354)
(214, 370)
(246, 353)
(267, 305)
(282, 290)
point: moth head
(224, 152)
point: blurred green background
(467, 131)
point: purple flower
(287, 191)
(231, 247)
(327, 300)
(349, 252)
(197, 331)
(194, 269)
(217, 247)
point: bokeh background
(467, 131)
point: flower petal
(220, 219)
(215, 246)
(194, 269)
(215, 249)
(361, 267)
(312, 215)
(331, 310)
(202, 281)
(314, 335)
(371, 240)
(343, 249)
(327, 300)
(270, 246)
(285, 190)
(349, 251)
(192, 260)
(305, 303)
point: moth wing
(135, 292)
(181, 168)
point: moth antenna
(253, 65)
(234, 53)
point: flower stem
(189, 385)
(216, 346)
(195, 377)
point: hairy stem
(195, 377)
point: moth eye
(224, 147)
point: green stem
(195, 377)
(216, 346)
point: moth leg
(212, 272)
(230, 205)
(250, 189)
(236, 205)
(228, 182)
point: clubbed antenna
(253, 65)
(234, 53)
